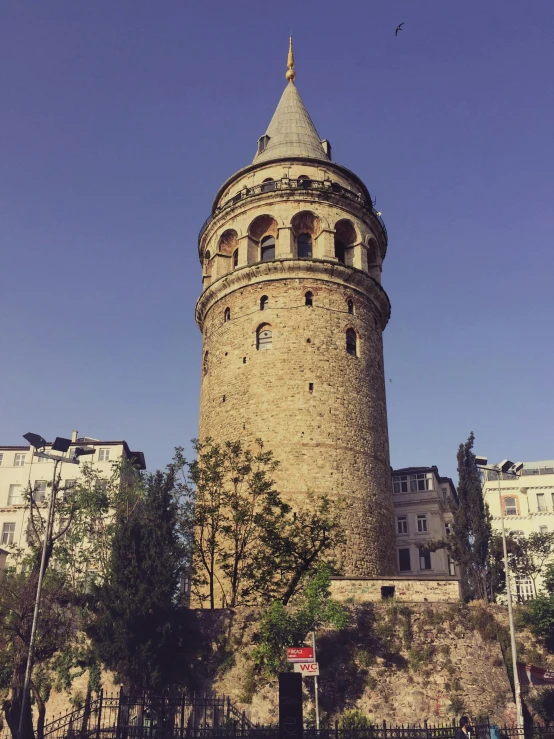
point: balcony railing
(325, 187)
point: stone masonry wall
(320, 410)
(407, 590)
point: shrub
(542, 703)
(457, 705)
(371, 682)
(538, 615)
(419, 657)
(354, 719)
(248, 687)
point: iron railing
(325, 188)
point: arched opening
(309, 298)
(235, 258)
(205, 364)
(264, 337)
(264, 300)
(345, 238)
(268, 185)
(268, 248)
(304, 181)
(304, 243)
(228, 242)
(350, 305)
(351, 342)
(227, 314)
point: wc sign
(308, 669)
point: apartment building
(527, 502)
(422, 500)
(19, 469)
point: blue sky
(121, 119)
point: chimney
(74, 435)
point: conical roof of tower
(291, 131)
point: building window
(304, 243)
(413, 483)
(39, 491)
(19, 460)
(205, 364)
(541, 504)
(264, 300)
(451, 566)
(350, 305)
(69, 488)
(402, 524)
(424, 559)
(268, 248)
(227, 315)
(8, 532)
(235, 258)
(14, 495)
(340, 251)
(543, 529)
(422, 523)
(1, 459)
(400, 484)
(444, 495)
(510, 507)
(309, 298)
(447, 529)
(264, 338)
(304, 181)
(351, 342)
(104, 455)
(404, 560)
(268, 185)
(524, 589)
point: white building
(19, 469)
(527, 504)
(422, 501)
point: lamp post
(507, 467)
(60, 445)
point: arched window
(304, 181)
(350, 305)
(340, 251)
(227, 314)
(264, 300)
(351, 342)
(264, 337)
(235, 258)
(268, 248)
(309, 298)
(304, 242)
(268, 185)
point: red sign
(300, 654)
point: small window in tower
(227, 314)
(351, 307)
(268, 248)
(235, 258)
(264, 300)
(304, 181)
(309, 298)
(311, 387)
(340, 251)
(264, 337)
(351, 342)
(304, 242)
(205, 364)
(268, 185)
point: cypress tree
(138, 627)
(471, 529)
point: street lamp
(60, 445)
(507, 467)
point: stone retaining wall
(410, 590)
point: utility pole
(315, 686)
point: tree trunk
(12, 707)
(41, 705)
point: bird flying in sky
(399, 28)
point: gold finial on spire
(291, 74)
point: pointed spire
(291, 74)
(291, 132)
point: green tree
(137, 628)
(470, 535)
(283, 627)
(548, 578)
(530, 553)
(538, 615)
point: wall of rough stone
(406, 589)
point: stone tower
(292, 314)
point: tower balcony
(324, 190)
